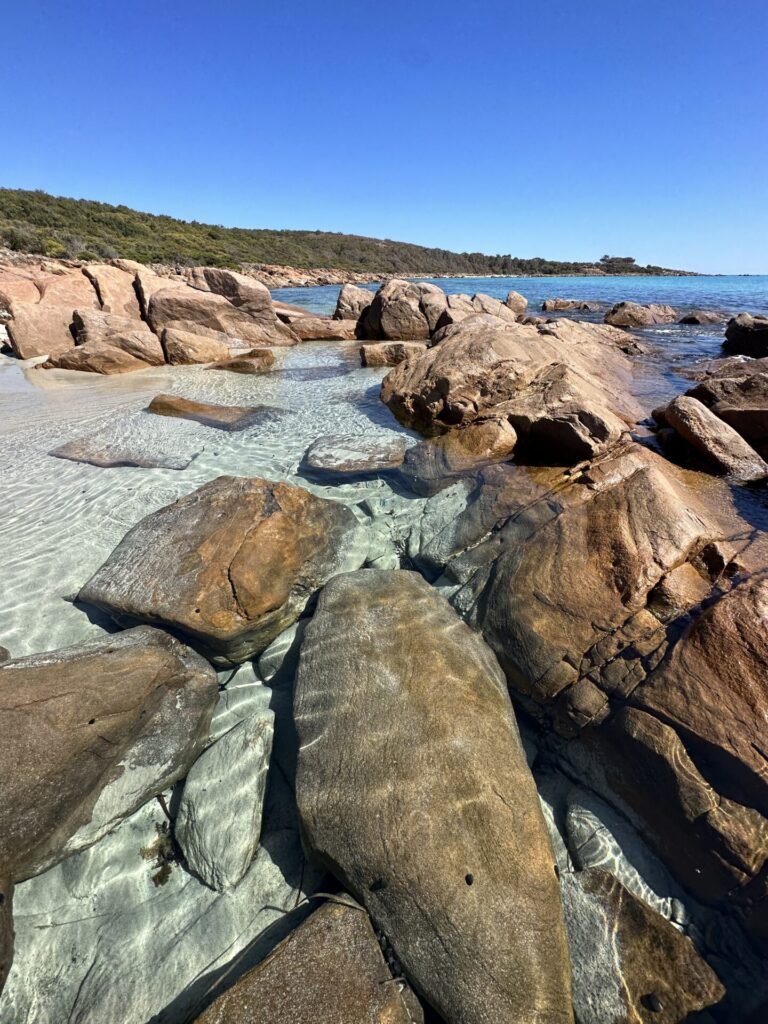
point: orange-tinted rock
(108, 343)
(329, 971)
(40, 330)
(115, 289)
(182, 348)
(256, 360)
(403, 311)
(222, 417)
(66, 286)
(739, 396)
(18, 284)
(187, 309)
(431, 465)
(389, 353)
(230, 565)
(352, 303)
(714, 440)
(324, 328)
(74, 720)
(631, 314)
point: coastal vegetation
(54, 226)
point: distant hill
(82, 229)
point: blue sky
(557, 128)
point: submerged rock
(329, 971)
(747, 335)
(230, 565)
(92, 732)
(351, 455)
(434, 464)
(222, 417)
(256, 360)
(219, 820)
(413, 788)
(109, 453)
(631, 314)
(717, 442)
(629, 964)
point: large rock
(109, 343)
(403, 311)
(702, 316)
(324, 328)
(218, 825)
(115, 289)
(747, 335)
(629, 963)
(389, 353)
(188, 309)
(90, 733)
(631, 314)
(105, 450)
(68, 286)
(255, 360)
(103, 358)
(717, 442)
(568, 305)
(739, 396)
(329, 971)
(352, 303)
(583, 380)
(517, 303)
(230, 565)
(249, 296)
(413, 788)
(220, 417)
(40, 330)
(19, 284)
(183, 349)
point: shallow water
(59, 520)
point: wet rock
(114, 288)
(431, 817)
(230, 565)
(121, 932)
(713, 844)
(219, 820)
(187, 309)
(389, 353)
(631, 314)
(702, 316)
(329, 971)
(107, 453)
(717, 442)
(353, 303)
(324, 328)
(740, 400)
(403, 311)
(629, 964)
(517, 303)
(729, 366)
(91, 733)
(257, 360)
(747, 336)
(568, 305)
(6, 930)
(480, 363)
(434, 464)
(222, 417)
(183, 349)
(351, 455)
(37, 330)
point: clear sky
(559, 128)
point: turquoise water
(671, 347)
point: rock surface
(739, 397)
(631, 314)
(256, 360)
(109, 453)
(718, 443)
(91, 733)
(702, 316)
(403, 311)
(747, 335)
(40, 330)
(413, 788)
(352, 303)
(183, 349)
(433, 464)
(629, 964)
(6, 930)
(566, 305)
(329, 971)
(219, 819)
(517, 303)
(324, 328)
(115, 289)
(351, 455)
(230, 565)
(187, 309)
(222, 417)
(389, 353)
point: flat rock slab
(221, 417)
(256, 360)
(90, 733)
(329, 971)
(95, 451)
(389, 353)
(352, 455)
(219, 820)
(414, 790)
(230, 565)
(629, 963)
